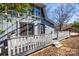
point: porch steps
(57, 43)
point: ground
(70, 48)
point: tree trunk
(60, 26)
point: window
(41, 29)
(23, 29)
(36, 11)
(26, 29)
(31, 29)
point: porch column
(27, 30)
(17, 27)
(36, 28)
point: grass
(1, 31)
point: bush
(29, 15)
(1, 31)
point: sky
(51, 6)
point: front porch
(24, 45)
(25, 40)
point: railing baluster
(24, 43)
(21, 44)
(18, 46)
(28, 43)
(9, 47)
(14, 46)
(37, 41)
(33, 41)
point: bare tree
(63, 13)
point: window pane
(24, 31)
(31, 29)
(41, 29)
(37, 11)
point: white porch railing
(24, 45)
(63, 34)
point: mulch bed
(70, 48)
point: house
(30, 31)
(35, 28)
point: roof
(51, 21)
(64, 27)
(46, 17)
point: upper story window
(37, 11)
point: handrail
(12, 25)
(10, 32)
(26, 36)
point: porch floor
(70, 48)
